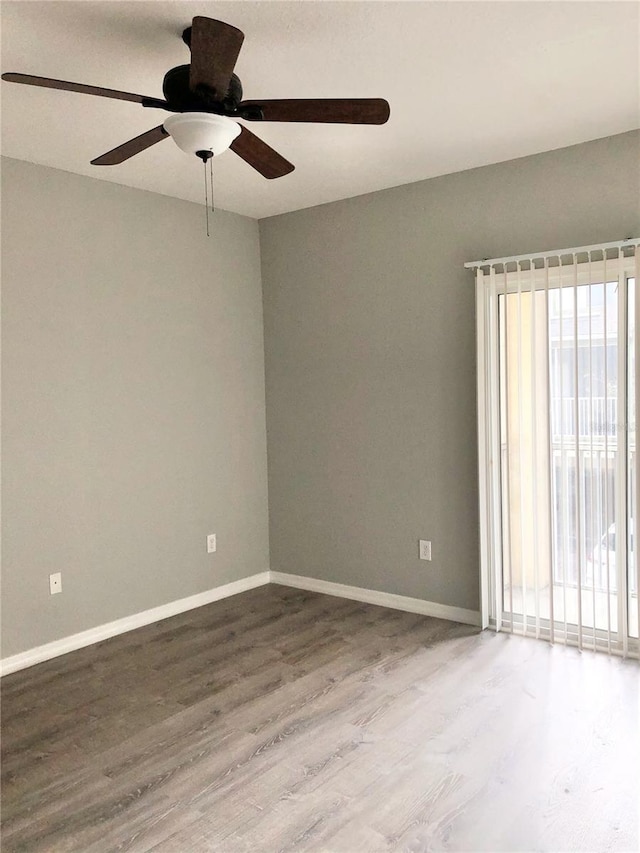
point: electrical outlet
(211, 543)
(425, 549)
(55, 583)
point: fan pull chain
(206, 155)
(206, 200)
(213, 209)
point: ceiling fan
(206, 97)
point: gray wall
(370, 359)
(133, 385)
(133, 382)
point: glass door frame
(489, 288)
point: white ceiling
(469, 83)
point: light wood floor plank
(284, 720)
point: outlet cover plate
(211, 543)
(55, 583)
(425, 549)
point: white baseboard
(384, 599)
(128, 623)
(164, 611)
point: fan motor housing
(180, 98)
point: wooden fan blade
(331, 110)
(261, 156)
(214, 51)
(133, 146)
(48, 83)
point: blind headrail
(556, 253)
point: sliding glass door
(558, 460)
(633, 574)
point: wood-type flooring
(282, 720)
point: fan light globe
(194, 132)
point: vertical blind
(557, 349)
